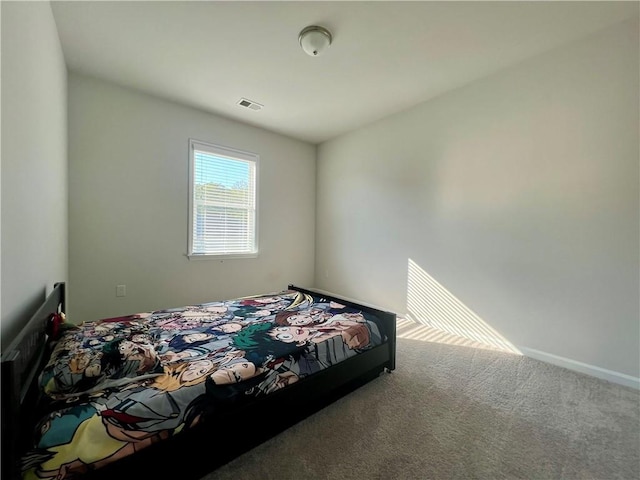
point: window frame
(233, 154)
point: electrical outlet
(121, 290)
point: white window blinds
(223, 201)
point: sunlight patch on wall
(432, 305)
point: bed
(179, 392)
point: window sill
(221, 256)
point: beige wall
(517, 193)
(128, 176)
(34, 161)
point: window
(222, 201)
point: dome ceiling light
(314, 40)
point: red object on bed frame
(245, 426)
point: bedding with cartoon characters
(118, 385)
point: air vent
(243, 102)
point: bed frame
(244, 426)
(21, 362)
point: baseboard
(610, 375)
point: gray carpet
(455, 412)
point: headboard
(21, 362)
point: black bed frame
(244, 426)
(21, 363)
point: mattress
(118, 385)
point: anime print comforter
(117, 385)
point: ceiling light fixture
(314, 40)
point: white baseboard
(610, 375)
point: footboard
(21, 363)
(388, 319)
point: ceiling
(385, 56)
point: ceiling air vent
(250, 104)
